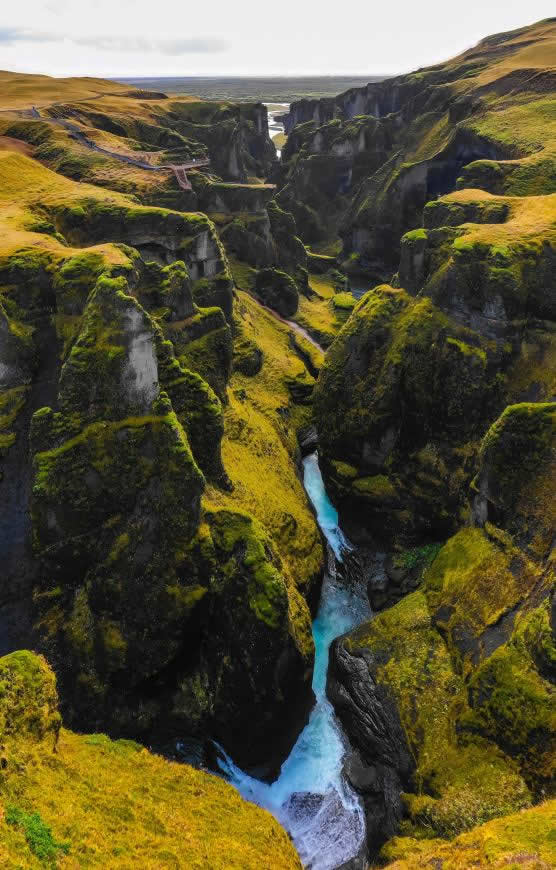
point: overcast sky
(247, 37)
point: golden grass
(24, 183)
(259, 448)
(22, 91)
(318, 315)
(530, 218)
(119, 806)
(522, 840)
(521, 54)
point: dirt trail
(76, 133)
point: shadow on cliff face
(16, 556)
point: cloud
(176, 46)
(11, 35)
(193, 45)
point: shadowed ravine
(311, 797)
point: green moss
(344, 470)
(12, 402)
(511, 699)
(519, 494)
(28, 697)
(377, 487)
(402, 376)
(419, 556)
(513, 841)
(468, 350)
(210, 355)
(457, 784)
(344, 301)
(237, 533)
(74, 280)
(471, 584)
(277, 290)
(418, 235)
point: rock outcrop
(435, 417)
(415, 378)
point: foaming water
(311, 798)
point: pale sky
(248, 37)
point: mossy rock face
(517, 475)
(248, 357)
(16, 349)
(468, 659)
(454, 671)
(290, 248)
(74, 280)
(217, 291)
(251, 659)
(277, 290)
(200, 412)
(511, 698)
(250, 240)
(28, 697)
(106, 549)
(205, 345)
(176, 291)
(158, 234)
(403, 391)
(112, 369)
(116, 504)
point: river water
(311, 797)
(275, 126)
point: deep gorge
(277, 466)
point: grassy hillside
(524, 839)
(69, 800)
(22, 91)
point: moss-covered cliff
(464, 666)
(120, 323)
(364, 163)
(435, 414)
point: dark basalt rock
(277, 290)
(380, 765)
(308, 441)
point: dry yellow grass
(116, 805)
(527, 48)
(23, 183)
(530, 218)
(22, 91)
(523, 840)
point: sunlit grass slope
(523, 840)
(95, 802)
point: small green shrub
(38, 835)
(423, 556)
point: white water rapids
(311, 798)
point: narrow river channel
(311, 797)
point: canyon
(277, 467)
